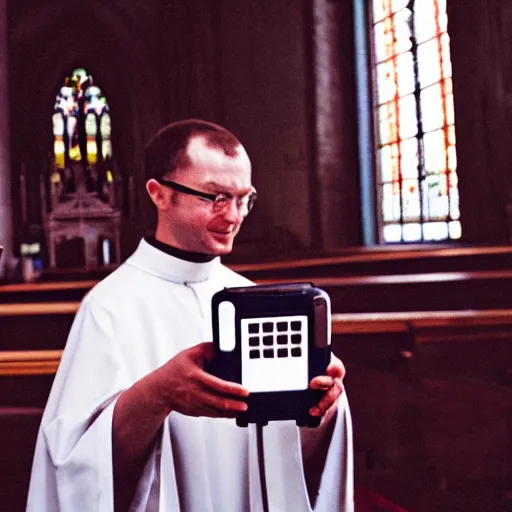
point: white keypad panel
(275, 353)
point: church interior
(328, 97)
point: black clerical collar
(194, 257)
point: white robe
(149, 309)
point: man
(133, 422)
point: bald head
(174, 146)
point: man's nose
(233, 212)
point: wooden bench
(45, 292)
(360, 261)
(413, 381)
(486, 289)
(29, 362)
(420, 324)
(345, 262)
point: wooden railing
(29, 362)
(39, 308)
(45, 362)
(479, 289)
(361, 260)
(373, 323)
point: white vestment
(149, 309)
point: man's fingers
(220, 406)
(221, 386)
(336, 369)
(202, 351)
(328, 399)
(323, 382)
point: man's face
(190, 222)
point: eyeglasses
(220, 202)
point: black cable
(261, 465)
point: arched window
(81, 131)
(413, 103)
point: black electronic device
(273, 339)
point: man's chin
(221, 244)
(222, 249)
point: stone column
(5, 168)
(336, 164)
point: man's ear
(157, 194)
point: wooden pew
(45, 292)
(18, 432)
(29, 362)
(348, 261)
(29, 326)
(408, 385)
(382, 260)
(486, 289)
(424, 327)
(431, 394)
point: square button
(296, 325)
(268, 327)
(282, 339)
(282, 352)
(296, 352)
(282, 326)
(254, 341)
(268, 353)
(254, 328)
(268, 340)
(254, 354)
(296, 339)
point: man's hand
(180, 385)
(332, 384)
(185, 387)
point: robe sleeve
(72, 467)
(336, 490)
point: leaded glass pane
(446, 62)
(90, 124)
(388, 123)
(392, 233)
(426, 26)
(384, 8)
(384, 48)
(415, 121)
(405, 74)
(393, 36)
(409, 158)
(435, 197)
(387, 82)
(58, 152)
(410, 199)
(435, 231)
(391, 203)
(432, 108)
(107, 149)
(454, 229)
(105, 126)
(389, 162)
(411, 232)
(429, 70)
(435, 151)
(58, 124)
(454, 196)
(407, 117)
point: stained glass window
(417, 179)
(81, 134)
